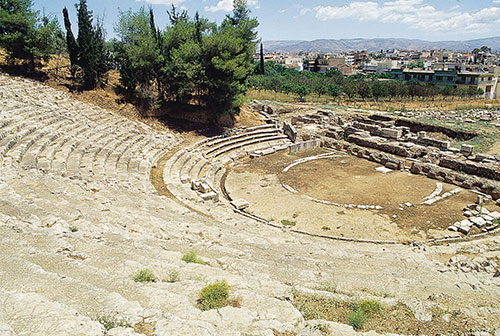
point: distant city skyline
(432, 20)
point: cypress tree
(86, 47)
(93, 56)
(152, 24)
(71, 42)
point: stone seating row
(219, 143)
(78, 144)
(187, 169)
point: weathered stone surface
(121, 331)
(210, 196)
(289, 131)
(240, 204)
(478, 221)
(70, 247)
(466, 150)
(304, 146)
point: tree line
(278, 78)
(191, 61)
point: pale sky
(432, 20)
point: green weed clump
(288, 222)
(145, 275)
(356, 319)
(369, 307)
(191, 257)
(214, 296)
(363, 309)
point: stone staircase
(79, 216)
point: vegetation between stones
(145, 275)
(191, 257)
(214, 296)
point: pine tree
(137, 51)
(24, 35)
(229, 59)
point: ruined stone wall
(426, 141)
(385, 159)
(388, 147)
(446, 175)
(289, 131)
(305, 145)
(416, 126)
(470, 168)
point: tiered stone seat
(69, 247)
(205, 162)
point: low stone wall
(387, 160)
(470, 168)
(426, 141)
(388, 147)
(451, 176)
(416, 126)
(392, 133)
(309, 119)
(335, 132)
(305, 145)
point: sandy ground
(346, 181)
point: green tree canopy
(25, 35)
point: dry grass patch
(365, 315)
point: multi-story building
(323, 63)
(487, 81)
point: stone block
(494, 214)
(204, 187)
(392, 165)
(195, 185)
(391, 133)
(484, 157)
(210, 196)
(240, 204)
(466, 150)
(383, 170)
(478, 221)
(289, 131)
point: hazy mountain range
(327, 45)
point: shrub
(369, 307)
(173, 276)
(325, 228)
(191, 257)
(145, 275)
(287, 222)
(356, 319)
(110, 321)
(214, 296)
